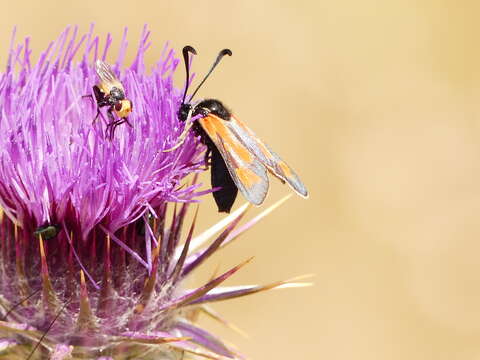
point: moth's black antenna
(18, 304)
(186, 58)
(48, 329)
(221, 54)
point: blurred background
(375, 104)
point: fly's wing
(108, 80)
(262, 151)
(248, 173)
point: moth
(239, 160)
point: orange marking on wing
(209, 127)
(242, 124)
(214, 126)
(221, 129)
(247, 177)
(285, 168)
(233, 146)
(264, 149)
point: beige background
(375, 104)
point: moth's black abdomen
(212, 106)
(224, 197)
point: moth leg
(183, 135)
(207, 159)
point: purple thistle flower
(76, 204)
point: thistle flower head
(57, 167)
(92, 261)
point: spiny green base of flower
(49, 309)
(118, 352)
(59, 307)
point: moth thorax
(212, 106)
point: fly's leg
(109, 131)
(115, 123)
(125, 119)
(101, 100)
(118, 123)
